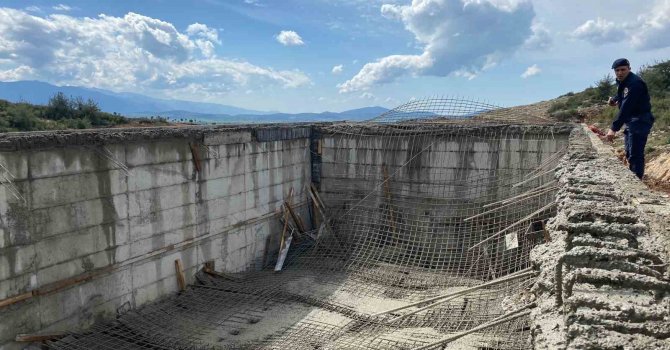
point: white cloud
(18, 73)
(203, 31)
(654, 28)
(599, 32)
(33, 9)
(531, 71)
(338, 69)
(62, 7)
(540, 39)
(367, 96)
(289, 38)
(205, 38)
(133, 52)
(385, 70)
(648, 31)
(455, 36)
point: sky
(328, 55)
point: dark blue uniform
(635, 111)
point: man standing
(634, 104)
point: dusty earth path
(657, 170)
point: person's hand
(610, 135)
(611, 102)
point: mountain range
(136, 105)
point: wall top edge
(15, 141)
(444, 129)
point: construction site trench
(440, 224)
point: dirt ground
(657, 159)
(657, 170)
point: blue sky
(317, 55)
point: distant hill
(352, 115)
(129, 104)
(135, 105)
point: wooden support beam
(15, 299)
(285, 213)
(283, 253)
(315, 192)
(214, 273)
(284, 229)
(317, 208)
(196, 156)
(181, 279)
(296, 218)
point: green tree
(657, 78)
(605, 88)
(59, 107)
(22, 117)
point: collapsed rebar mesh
(424, 204)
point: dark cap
(620, 62)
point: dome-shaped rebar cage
(450, 110)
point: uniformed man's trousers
(634, 145)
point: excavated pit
(480, 230)
(408, 208)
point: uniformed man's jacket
(634, 105)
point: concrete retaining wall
(436, 178)
(115, 209)
(455, 160)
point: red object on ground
(596, 130)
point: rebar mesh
(438, 199)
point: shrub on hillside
(60, 113)
(656, 76)
(565, 115)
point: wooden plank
(296, 218)
(283, 233)
(317, 208)
(181, 279)
(284, 230)
(318, 197)
(15, 299)
(34, 338)
(196, 156)
(283, 253)
(214, 273)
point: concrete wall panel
(85, 213)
